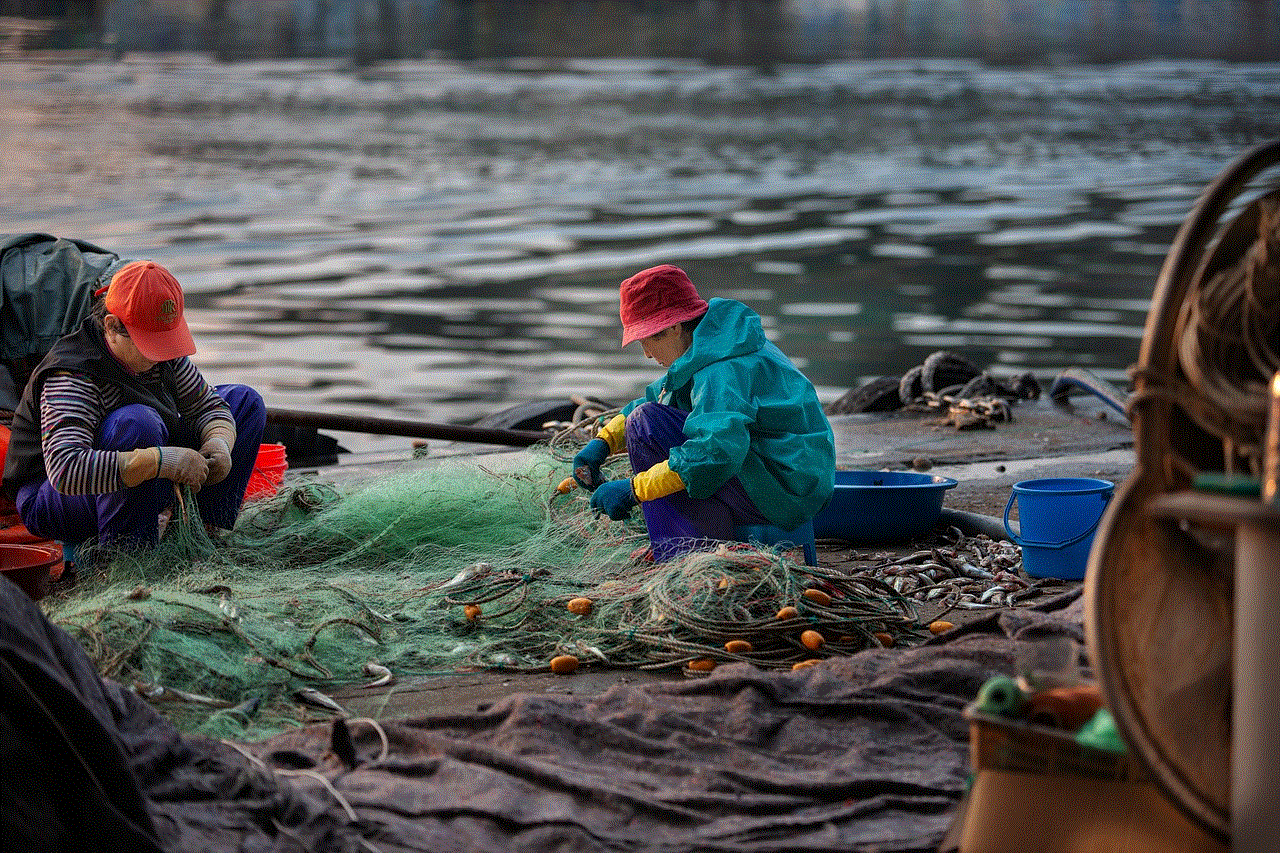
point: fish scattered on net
(440, 568)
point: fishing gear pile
(946, 384)
(438, 568)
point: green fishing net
(438, 567)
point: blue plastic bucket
(1057, 518)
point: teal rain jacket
(751, 413)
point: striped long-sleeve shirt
(73, 406)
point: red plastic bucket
(33, 566)
(268, 472)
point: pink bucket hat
(656, 299)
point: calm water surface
(441, 240)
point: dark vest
(83, 352)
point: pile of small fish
(967, 573)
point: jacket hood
(728, 329)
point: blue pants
(678, 523)
(128, 517)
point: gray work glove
(217, 453)
(184, 466)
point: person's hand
(614, 498)
(217, 453)
(586, 465)
(184, 466)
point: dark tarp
(867, 753)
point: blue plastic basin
(881, 506)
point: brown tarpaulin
(867, 753)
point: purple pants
(678, 523)
(128, 517)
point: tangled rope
(1227, 342)
(569, 437)
(1229, 337)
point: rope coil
(1227, 345)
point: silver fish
(970, 570)
(160, 693)
(594, 652)
(351, 596)
(316, 699)
(466, 574)
(382, 675)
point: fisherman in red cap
(731, 435)
(116, 416)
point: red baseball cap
(656, 299)
(148, 300)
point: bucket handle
(1066, 544)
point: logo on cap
(168, 312)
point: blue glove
(586, 465)
(615, 499)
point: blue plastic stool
(768, 534)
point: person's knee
(647, 411)
(247, 407)
(132, 426)
(652, 431)
(644, 418)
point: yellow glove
(658, 482)
(615, 433)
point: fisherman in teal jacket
(733, 434)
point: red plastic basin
(32, 565)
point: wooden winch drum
(1159, 593)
